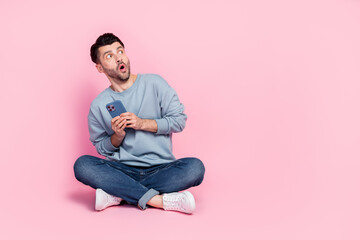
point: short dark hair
(103, 40)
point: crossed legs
(140, 186)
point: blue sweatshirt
(150, 97)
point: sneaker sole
(192, 201)
(97, 199)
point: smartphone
(115, 108)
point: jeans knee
(201, 170)
(80, 166)
(197, 170)
(199, 165)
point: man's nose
(118, 58)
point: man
(139, 167)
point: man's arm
(105, 145)
(172, 118)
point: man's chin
(123, 77)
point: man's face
(114, 62)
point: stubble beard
(116, 75)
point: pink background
(271, 89)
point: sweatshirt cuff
(163, 126)
(108, 145)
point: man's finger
(130, 126)
(114, 119)
(125, 114)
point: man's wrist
(148, 125)
(116, 140)
(142, 124)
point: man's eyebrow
(106, 53)
(110, 50)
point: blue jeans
(137, 185)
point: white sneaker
(104, 200)
(179, 201)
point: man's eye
(108, 56)
(121, 52)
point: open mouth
(122, 68)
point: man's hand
(133, 121)
(118, 125)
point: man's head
(108, 52)
(103, 40)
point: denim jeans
(137, 185)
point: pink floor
(300, 201)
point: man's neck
(120, 86)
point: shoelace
(113, 198)
(174, 202)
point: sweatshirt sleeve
(173, 118)
(98, 136)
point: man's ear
(99, 68)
